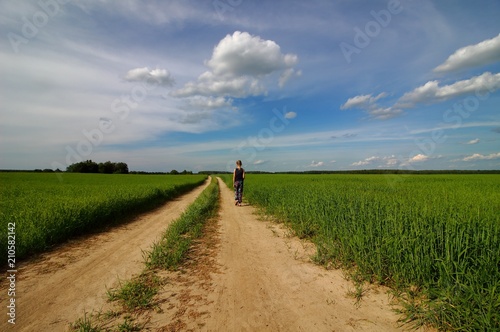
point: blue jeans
(238, 190)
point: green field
(47, 211)
(433, 238)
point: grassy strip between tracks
(169, 252)
(138, 294)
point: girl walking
(238, 178)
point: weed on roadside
(138, 292)
(85, 324)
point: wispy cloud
(154, 76)
(367, 161)
(431, 92)
(204, 103)
(369, 104)
(485, 52)
(390, 161)
(478, 156)
(362, 101)
(316, 164)
(418, 158)
(452, 126)
(473, 141)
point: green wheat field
(47, 211)
(433, 239)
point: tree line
(90, 166)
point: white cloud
(473, 141)
(432, 92)
(316, 164)
(418, 158)
(242, 54)
(360, 163)
(287, 75)
(485, 52)
(290, 115)
(369, 104)
(238, 66)
(381, 113)
(362, 101)
(155, 76)
(367, 161)
(391, 161)
(204, 103)
(259, 162)
(238, 87)
(387, 161)
(477, 156)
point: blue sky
(281, 85)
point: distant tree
(174, 172)
(83, 167)
(108, 167)
(89, 166)
(120, 168)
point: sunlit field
(435, 239)
(47, 211)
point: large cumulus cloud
(239, 67)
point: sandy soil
(252, 275)
(269, 284)
(244, 274)
(58, 287)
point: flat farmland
(431, 241)
(434, 239)
(47, 211)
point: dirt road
(269, 284)
(245, 274)
(254, 276)
(56, 289)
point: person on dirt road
(238, 178)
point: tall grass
(435, 238)
(170, 251)
(46, 211)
